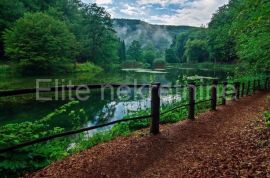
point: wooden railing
(155, 104)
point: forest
(85, 33)
(81, 42)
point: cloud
(163, 3)
(101, 2)
(169, 12)
(197, 13)
(131, 10)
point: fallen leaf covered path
(229, 142)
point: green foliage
(39, 155)
(179, 45)
(170, 55)
(158, 35)
(87, 67)
(267, 115)
(267, 118)
(221, 41)
(159, 64)
(11, 10)
(84, 33)
(39, 43)
(250, 28)
(238, 31)
(135, 52)
(190, 46)
(196, 51)
(132, 64)
(150, 54)
(99, 43)
(122, 51)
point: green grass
(267, 115)
(209, 65)
(86, 67)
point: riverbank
(232, 141)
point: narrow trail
(229, 142)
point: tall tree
(39, 43)
(135, 51)
(100, 42)
(252, 30)
(196, 51)
(170, 55)
(11, 10)
(221, 40)
(150, 53)
(122, 50)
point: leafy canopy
(39, 42)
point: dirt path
(230, 142)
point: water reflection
(107, 110)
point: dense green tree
(149, 56)
(39, 43)
(122, 50)
(99, 40)
(135, 52)
(150, 53)
(181, 40)
(176, 53)
(11, 10)
(170, 56)
(239, 30)
(196, 51)
(221, 40)
(37, 5)
(251, 29)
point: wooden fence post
(214, 95)
(254, 86)
(224, 93)
(235, 91)
(248, 88)
(191, 109)
(243, 90)
(266, 84)
(238, 84)
(155, 109)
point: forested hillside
(161, 36)
(240, 31)
(237, 32)
(46, 36)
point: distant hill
(161, 36)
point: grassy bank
(11, 78)
(212, 66)
(12, 68)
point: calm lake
(20, 108)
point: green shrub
(159, 64)
(267, 118)
(132, 64)
(87, 67)
(39, 43)
(37, 156)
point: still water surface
(99, 111)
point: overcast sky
(168, 12)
